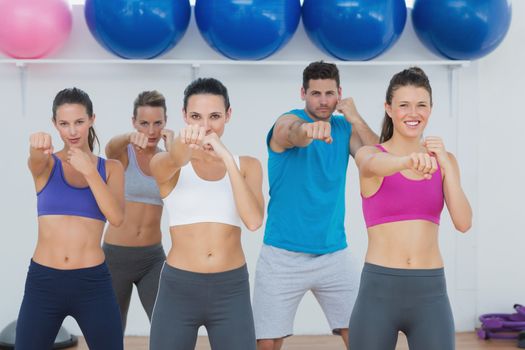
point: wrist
(353, 118)
(228, 160)
(91, 173)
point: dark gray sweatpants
(218, 301)
(138, 266)
(413, 301)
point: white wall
(501, 208)
(259, 94)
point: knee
(266, 344)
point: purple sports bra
(399, 199)
(60, 198)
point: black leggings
(413, 301)
(187, 300)
(51, 295)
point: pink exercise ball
(33, 28)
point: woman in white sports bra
(208, 192)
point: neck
(150, 150)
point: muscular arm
(40, 151)
(247, 190)
(371, 162)
(456, 200)
(366, 136)
(109, 195)
(164, 166)
(117, 146)
(362, 135)
(287, 133)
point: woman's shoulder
(113, 164)
(249, 162)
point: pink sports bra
(399, 199)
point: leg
(230, 319)
(121, 280)
(42, 311)
(343, 332)
(376, 316)
(368, 330)
(177, 313)
(148, 285)
(96, 310)
(280, 284)
(270, 344)
(336, 289)
(431, 322)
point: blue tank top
(307, 192)
(60, 198)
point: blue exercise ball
(247, 29)
(461, 29)
(356, 30)
(137, 29)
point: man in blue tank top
(305, 243)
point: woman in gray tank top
(134, 250)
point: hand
(318, 131)
(212, 143)
(138, 140)
(41, 141)
(435, 146)
(347, 107)
(167, 136)
(81, 161)
(192, 135)
(422, 163)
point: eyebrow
(197, 113)
(76, 120)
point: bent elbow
(117, 220)
(463, 227)
(254, 226)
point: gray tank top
(140, 187)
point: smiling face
(208, 111)
(73, 123)
(409, 110)
(150, 121)
(321, 98)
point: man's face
(321, 98)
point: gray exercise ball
(63, 340)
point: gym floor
(464, 341)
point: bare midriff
(206, 247)
(409, 244)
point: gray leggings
(412, 301)
(187, 300)
(138, 266)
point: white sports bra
(194, 200)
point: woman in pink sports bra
(405, 182)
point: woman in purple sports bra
(405, 182)
(76, 193)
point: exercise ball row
(256, 29)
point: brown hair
(413, 76)
(77, 96)
(149, 98)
